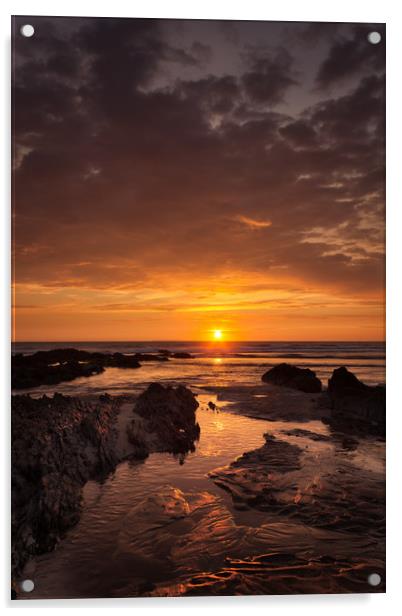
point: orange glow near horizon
(220, 310)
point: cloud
(299, 133)
(269, 75)
(122, 185)
(351, 55)
(214, 94)
(252, 223)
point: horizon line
(218, 342)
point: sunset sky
(172, 178)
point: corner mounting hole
(374, 38)
(27, 30)
(27, 585)
(374, 579)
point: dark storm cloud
(216, 94)
(310, 34)
(119, 182)
(299, 132)
(351, 55)
(356, 118)
(269, 75)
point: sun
(218, 334)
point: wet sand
(265, 401)
(299, 510)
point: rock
(314, 436)
(58, 365)
(119, 360)
(169, 414)
(249, 478)
(353, 402)
(57, 445)
(286, 480)
(150, 357)
(33, 373)
(287, 375)
(212, 405)
(60, 442)
(343, 382)
(164, 354)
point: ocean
(219, 363)
(121, 531)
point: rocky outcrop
(303, 482)
(57, 445)
(60, 442)
(32, 373)
(168, 414)
(293, 377)
(356, 404)
(249, 479)
(119, 360)
(150, 357)
(58, 365)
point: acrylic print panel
(198, 358)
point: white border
(286, 10)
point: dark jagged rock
(354, 403)
(60, 442)
(343, 383)
(287, 375)
(33, 373)
(58, 365)
(119, 360)
(169, 413)
(58, 355)
(57, 445)
(248, 479)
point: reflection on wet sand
(300, 512)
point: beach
(198, 379)
(271, 496)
